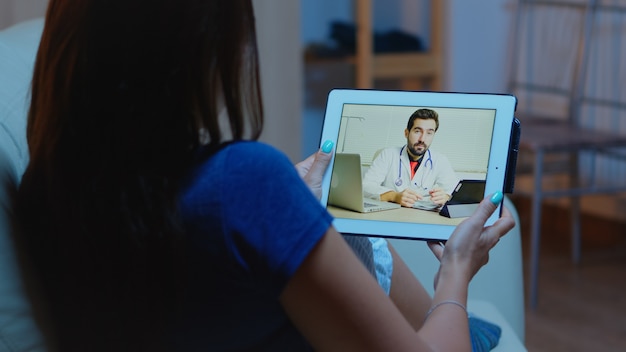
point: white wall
(477, 45)
(278, 30)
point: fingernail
(327, 146)
(496, 198)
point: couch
(18, 45)
(496, 293)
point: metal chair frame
(544, 136)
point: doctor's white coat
(390, 171)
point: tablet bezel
(504, 106)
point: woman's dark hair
(120, 92)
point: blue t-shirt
(250, 222)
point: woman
(140, 228)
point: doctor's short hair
(424, 114)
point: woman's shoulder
(253, 154)
(247, 165)
(243, 157)
(253, 149)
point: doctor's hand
(406, 198)
(468, 248)
(438, 196)
(312, 169)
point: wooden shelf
(405, 64)
(415, 70)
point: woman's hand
(468, 247)
(312, 169)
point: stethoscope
(428, 160)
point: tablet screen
(402, 158)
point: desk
(409, 215)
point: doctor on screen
(413, 174)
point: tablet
(413, 142)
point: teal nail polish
(327, 146)
(496, 198)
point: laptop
(346, 186)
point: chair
(564, 59)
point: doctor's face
(420, 136)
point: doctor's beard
(415, 152)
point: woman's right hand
(467, 250)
